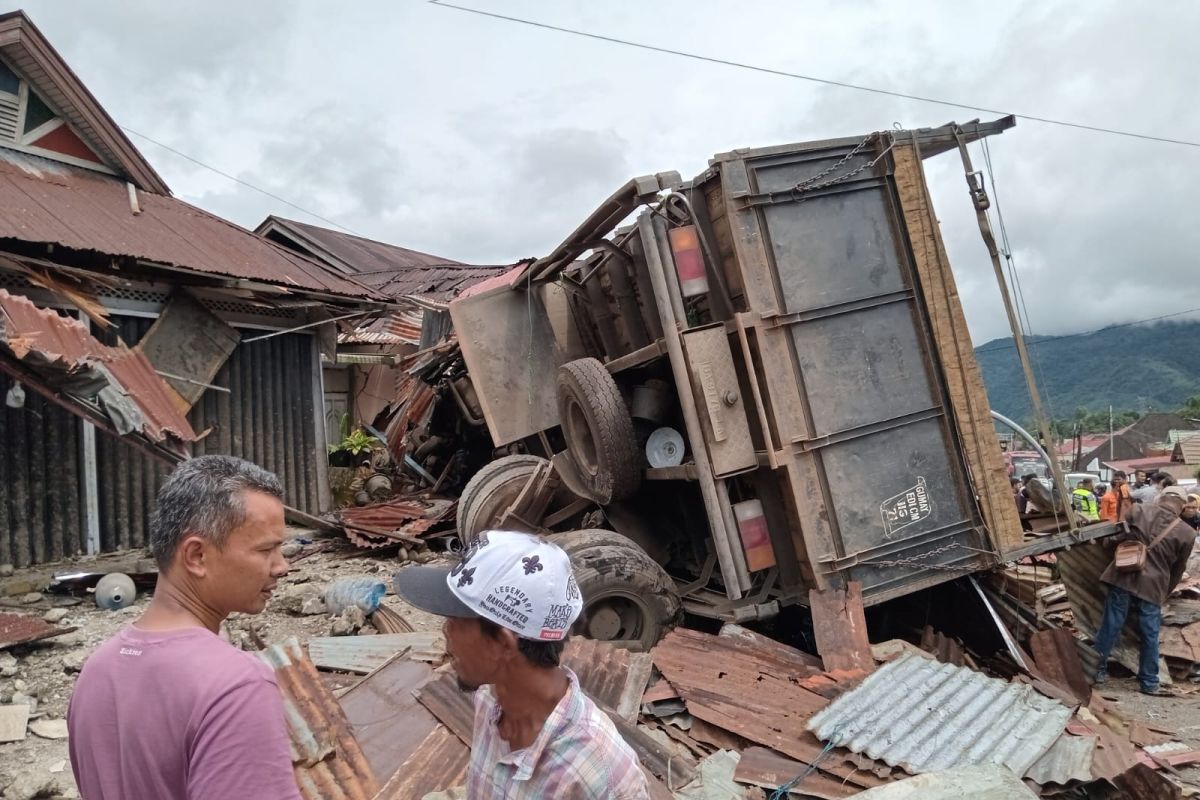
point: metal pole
(981, 202)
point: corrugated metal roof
(756, 692)
(51, 202)
(328, 761)
(925, 716)
(401, 518)
(355, 252)
(441, 282)
(1080, 568)
(612, 676)
(1068, 759)
(22, 628)
(402, 327)
(60, 351)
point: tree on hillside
(1191, 409)
(1084, 421)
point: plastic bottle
(362, 592)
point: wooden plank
(762, 767)
(438, 763)
(451, 705)
(948, 326)
(840, 626)
(637, 357)
(363, 654)
(13, 720)
(1057, 660)
(190, 341)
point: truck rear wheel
(490, 491)
(598, 430)
(628, 599)
(577, 541)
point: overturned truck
(763, 386)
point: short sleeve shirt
(178, 715)
(579, 755)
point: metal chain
(917, 560)
(803, 185)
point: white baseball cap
(515, 580)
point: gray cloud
(488, 141)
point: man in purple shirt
(166, 709)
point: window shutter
(8, 118)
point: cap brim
(425, 588)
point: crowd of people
(1094, 501)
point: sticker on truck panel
(904, 509)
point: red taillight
(756, 538)
(689, 260)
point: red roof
(60, 351)
(1131, 465)
(51, 202)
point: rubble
(56, 615)
(49, 728)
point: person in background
(1191, 511)
(1168, 544)
(1150, 492)
(167, 709)
(1116, 500)
(1083, 500)
(1140, 479)
(509, 605)
(1021, 502)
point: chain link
(802, 185)
(918, 560)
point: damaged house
(366, 379)
(127, 311)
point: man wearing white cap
(509, 606)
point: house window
(28, 121)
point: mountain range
(1152, 367)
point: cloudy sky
(486, 141)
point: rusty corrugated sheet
(405, 518)
(51, 202)
(612, 676)
(328, 761)
(403, 327)
(1080, 568)
(62, 352)
(357, 252)
(757, 693)
(22, 628)
(925, 716)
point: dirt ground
(45, 671)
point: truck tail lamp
(756, 538)
(689, 260)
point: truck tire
(490, 491)
(598, 430)
(628, 599)
(577, 541)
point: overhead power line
(811, 78)
(1038, 341)
(239, 181)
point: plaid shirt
(577, 756)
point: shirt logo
(129, 651)
(531, 565)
